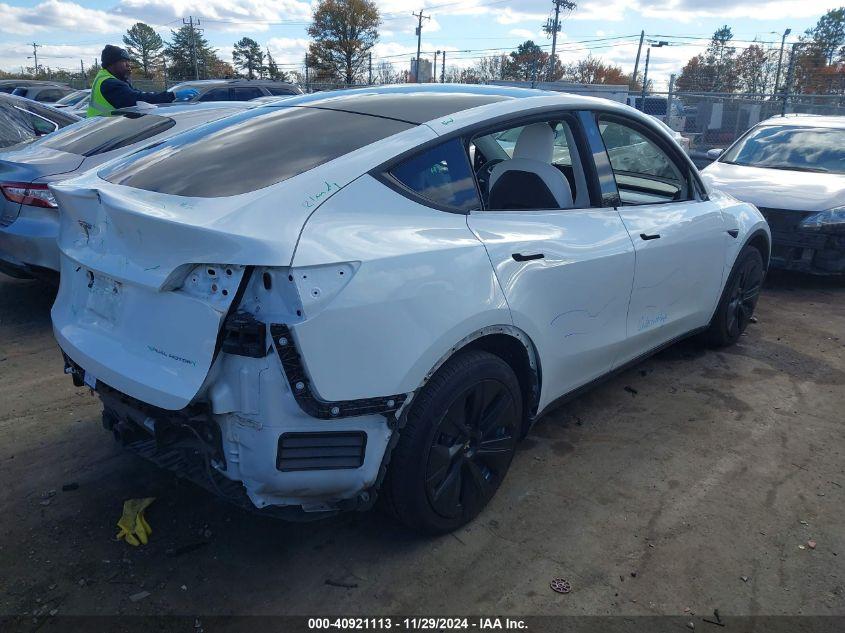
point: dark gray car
(43, 93)
(238, 89)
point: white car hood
(777, 188)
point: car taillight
(34, 194)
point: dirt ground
(693, 481)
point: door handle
(645, 237)
(527, 258)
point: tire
(738, 300)
(456, 445)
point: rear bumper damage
(249, 440)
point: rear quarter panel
(423, 282)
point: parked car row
(312, 303)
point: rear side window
(245, 94)
(105, 134)
(281, 91)
(50, 96)
(441, 174)
(13, 129)
(20, 92)
(217, 94)
(249, 151)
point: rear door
(566, 273)
(679, 236)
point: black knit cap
(112, 54)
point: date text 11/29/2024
(417, 624)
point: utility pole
(645, 71)
(370, 66)
(434, 74)
(780, 58)
(35, 48)
(82, 69)
(190, 22)
(553, 27)
(637, 61)
(306, 72)
(419, 42)
(443, 67)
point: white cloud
(689, 10)
(509, 16)
(523, 33)
(225, 15)
(56, 14)
(288, 50)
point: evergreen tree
(144, 46)
(248, 57)
(179, 55)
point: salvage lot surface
(658, 491)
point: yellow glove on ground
(133, 526)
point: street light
(645, 71)
(780, 58)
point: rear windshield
(104, 134)
(792, 148)
(249, 151)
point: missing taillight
(31, 194)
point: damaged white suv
(376, 291)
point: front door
(678, 236)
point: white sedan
(793, 168)
(329, 300)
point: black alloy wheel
(472, 449)
(456, 444)
(739, 298)
(743, 297)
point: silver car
(29, 220)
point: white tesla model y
(375, 292)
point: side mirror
(714, 153)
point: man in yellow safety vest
(111, 88)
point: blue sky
(72, 30)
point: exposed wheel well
(514, 353)
(761, 243)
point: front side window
(98, 135)
(248, 151)
(644, 172)
(790, 147)
(441, 174)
